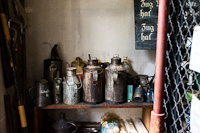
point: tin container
(143, 80)
(52, 69)
(139, 94)
(71, 87)
(93, 82)
(41, 93)
(116, 77)
(57, 90)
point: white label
(195, 50)
(195, 114)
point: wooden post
(146, 117)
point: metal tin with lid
(116, 60)
(115, 86)
(92, 82)
(71, 87)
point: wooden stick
(8, 39)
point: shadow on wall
(152, 55)
(132, 72)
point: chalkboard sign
(146, 17)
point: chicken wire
(180, 81)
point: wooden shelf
(101, 105)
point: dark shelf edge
(101, 105)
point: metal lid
(71, 71)
(57, 80)
(43, 81)
(116, 59)
(92, 61)
(71, 68)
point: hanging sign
(146, 16)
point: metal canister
(41, 93)
(64, 126)
(92, 82)
(115, 87)
(143, 80)
(71, 87)
(57, 90)
(52, 69)
(139, 94)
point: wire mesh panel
(180, 81)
